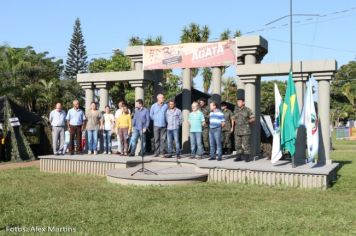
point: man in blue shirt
(158, 115)
(76, 124)
(216, 122)
(140, 123)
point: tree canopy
(33, 79)
(343, 93)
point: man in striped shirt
(216, 122)
(174, 121)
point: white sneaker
(105, 153)
(109, 153)
(89, 152)
(95, 152)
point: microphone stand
(177, 159)
(143, 169)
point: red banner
(190, 55)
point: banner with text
(190, 55)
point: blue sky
(108, 24)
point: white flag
(309, 119)
(276, 146)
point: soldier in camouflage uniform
(243, 117)
(227, 129)
(206, 112)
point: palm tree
(229, 89)
(225, 35)
(237, 34)
(48, 94)
(27, 96)
(193, 33)
(159, 40)
(205, 33)
(206, 73)
(149, 41)
(135, 40)
(349, 92)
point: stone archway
(250, 51)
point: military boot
(238, 157)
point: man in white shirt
(57, 117)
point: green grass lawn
(95, 207)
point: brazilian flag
(289, 117)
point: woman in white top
(108, 128)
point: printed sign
(190, 55)
(14, 121)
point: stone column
(301, 142)
(299, 82)
(89, 94)
(324, 115)
(216, 84)
(251, 50)
(136, 55)
(103, 95)
(250, 91)
(253, 100)
(139, 89)
(139, 92)
(157, 84)
(186, 104)
(137, 65)
(240, 84)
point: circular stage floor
(156, 174)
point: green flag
(289, 117)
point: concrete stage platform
(256, 172)
(162, 174)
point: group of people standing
(68, 128)
(210, 128)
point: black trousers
(160, 134)
(75, 134)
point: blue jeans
(215, 142)
(92, 140)
(196, 145)
(133, 142)
(173, 134)
(107, 140)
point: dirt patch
(13, 165)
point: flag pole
(291, 33)
(291, 50)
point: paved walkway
(13, 165)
